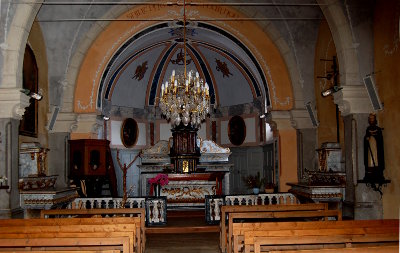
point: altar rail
(155, 208)
(213, 203)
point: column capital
(86, 123)
(301, 119)
(63, 123)
(352, 99)
(13, 103)
(282, 119)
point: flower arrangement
(3, 179)
(254, 181)
(160, 179)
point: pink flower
(161, 179)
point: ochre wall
(387, 77)
(288, 158)
(325, 50)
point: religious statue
(374, 161)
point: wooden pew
(61, 251)
(61, 243)
(236, 236)
(70, 213)
(91, 230)
(303, 235)
(225, 233)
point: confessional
(91, 167)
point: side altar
(210, 176)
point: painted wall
(288, 158)
(387, 69)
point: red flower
(161, 179)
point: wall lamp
(330, 91)
(37, 96)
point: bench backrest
(226, 233)
(114, 212)
(76, 228)
(320, 232)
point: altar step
(181, 222)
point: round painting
(237, 130)
(129, 132)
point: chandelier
(185, 97)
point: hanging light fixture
(185, 97)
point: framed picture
(129, 132)
(237, 130)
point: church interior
(162, 109)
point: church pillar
(287, 149)
(367, 202)
(58, 137)
(360, 200)
(12, 107)
(306, 141)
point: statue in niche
(374, 161)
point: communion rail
(156, 207)
(214, 203)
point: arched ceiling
(134, 74)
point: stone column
(12, 107)
(355, 106)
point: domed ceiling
(134, 76)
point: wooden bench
(76, 244)
(82, 233)
(226, 211)
(239, 228)
(114, 212)
(319, 234)
(60, 251)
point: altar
(211, 176)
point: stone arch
(16, 40)
(345, 48)
(13, 51)
(79, 61)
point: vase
(157, 190)
(256, 190)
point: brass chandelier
(185, 97)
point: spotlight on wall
(37, 96)
(330, 91)
(106, 117)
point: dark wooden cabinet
(88, 157)
(90, 160)
(184, 152)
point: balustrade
(156, 208)
(214, 203)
